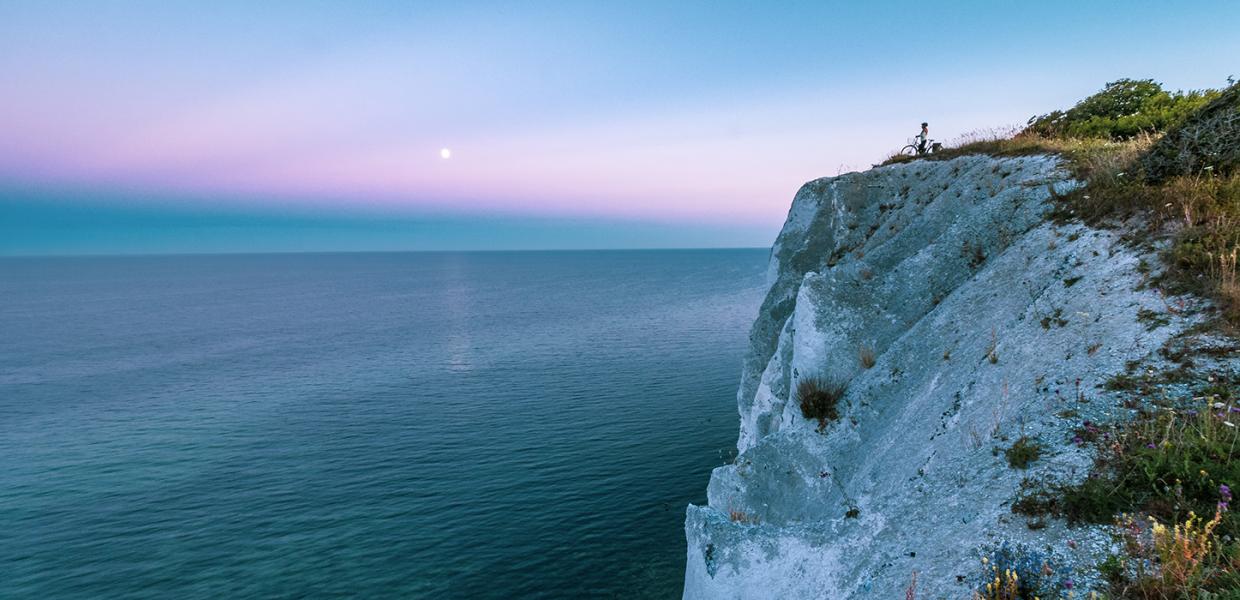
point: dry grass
(819, 399)
(1202, 214)
(1228, 288)
(992, 350)
(866, 356)
(740, 516)
(1084, 156)
(1190, 562)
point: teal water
(455, 425)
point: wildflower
(1218, 405)
(1077, 440)
(1151, 446)
(1229, 423)
(1234, 409)
(1191, 413)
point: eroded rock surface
(987, 322)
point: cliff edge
(961, 320)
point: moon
(445, 153)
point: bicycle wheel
(909, 150)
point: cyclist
(922, 138)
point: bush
(819, 399)
(1121, 111)
(1209, 138)
(1023, 452)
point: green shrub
(1023, 452)
(1208, 139)
(1122, 110)
(819, 399)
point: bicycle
(914, 149)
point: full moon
(445, 153)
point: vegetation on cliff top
(1123, 110)
(1170, 159)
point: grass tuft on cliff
(819, 399)
(865, 356)
(1023, 453)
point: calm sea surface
(472, 425)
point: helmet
(925, 124)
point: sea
(374, 425)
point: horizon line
(326, 252)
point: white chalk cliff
(987, 320)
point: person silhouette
(922, 138)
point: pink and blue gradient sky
(571, 124)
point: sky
(170, 126)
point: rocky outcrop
(987, 322)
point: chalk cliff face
(987, 322)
